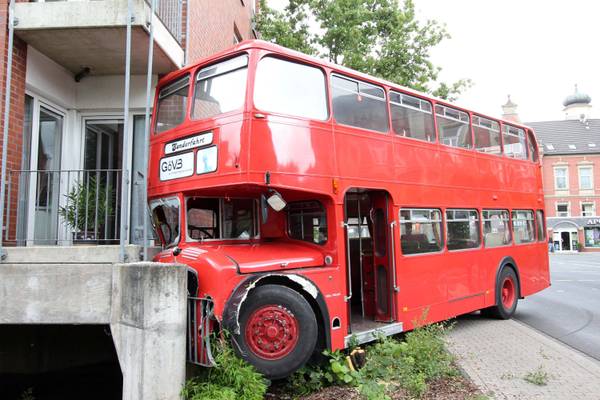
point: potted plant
(89, 207)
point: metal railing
(170, 12)
(199, 329)
(62, 207)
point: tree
(378, 37)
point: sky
(534, 50)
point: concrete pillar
(148, 324)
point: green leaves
(378, 37)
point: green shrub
(230, 379)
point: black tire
(502, 310)
(293, 305)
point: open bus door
(370, 259)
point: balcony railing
(63, 207)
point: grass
(537, 377)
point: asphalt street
(569, 310)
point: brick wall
(573, 195)
(17, 105)
(213, 23)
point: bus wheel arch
(507, 290)
(299, 284)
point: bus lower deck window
(307, 220)
(463, 229)
(496, 228)
(522, 221)
(218, 218)
(421, 230)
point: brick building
(571, 175)
(66, 128)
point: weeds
(537, 377)
(27, 395)
(231, 379)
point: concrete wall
(144, 303)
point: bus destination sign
(189, 143)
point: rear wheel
(278, 330)
(507, 295)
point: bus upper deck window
(172, 105)
(290, 88)
(531, 149)
(412, 117)
(487, 135)
(220, 88)
(453, 127)
(514, 142)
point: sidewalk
(496, 355)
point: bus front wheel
(278, 330)
(507, 295)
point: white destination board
(189, 143)
(178, 166)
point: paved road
(570, 309)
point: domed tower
(577, 106)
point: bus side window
(540, 224)
(487, 135)
(411, 117)
(514, 142)
(421, 230)
(453, 127)
(522, 222)
(496, 228)
(462, 227)
(359, 104)
(307, 220)
(532, 150)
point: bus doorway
(370, 260)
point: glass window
(220, 88)
(172, 104)
(218, 218)
(421, 231)
(592, 237)
(453, 127)
(585, 178)
(487, 135)
(496, 228)
(463, 229)
(514, 142)
(561, 178)
(359, 104)
(411, 117)
(522, 221)
(588, 209)
(531, 147)
(562, 209)
(358, 229)
(290, 88)
(540, 224)
(165, 218)
(307, 221)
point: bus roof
(264, 45)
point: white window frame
(566, 169)
(591, 169)
(584, 203)
(563, 203)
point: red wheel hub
(272, 332)
(508, 293)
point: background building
(67, 126)
(571, 172)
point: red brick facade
(17, 105)
(215, 24)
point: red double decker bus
(315, 205)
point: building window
(562, 209)
(411, 117)
(592, 237)
(588, 209)
(421, 231)
(453, 127)
(561, 178)
(586, 181)
(496, 228)
(487, 135)
(522, 221)
(359, 104)
(462, 227)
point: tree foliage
(378, 37)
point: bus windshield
(165, 217)
(219, 218)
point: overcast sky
(534, 50)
